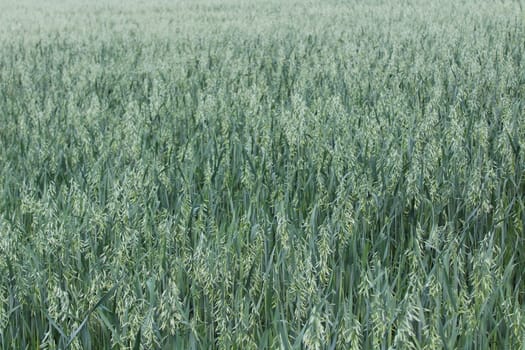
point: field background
(262, 174)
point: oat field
(262, 174)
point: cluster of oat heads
(344, 175)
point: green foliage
(243, 175)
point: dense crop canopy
(262, 174)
